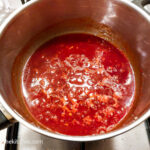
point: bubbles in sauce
(78, 84)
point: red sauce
(78, 84)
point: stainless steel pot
(124, 17)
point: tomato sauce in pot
(78, 84)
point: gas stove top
(18, 137)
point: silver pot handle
(141, 4)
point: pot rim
(61, 136)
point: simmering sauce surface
(78, 84)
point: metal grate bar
(24, 1)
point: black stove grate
(147, 122)
(12, 137)
(24, 1)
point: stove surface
(135, 139)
